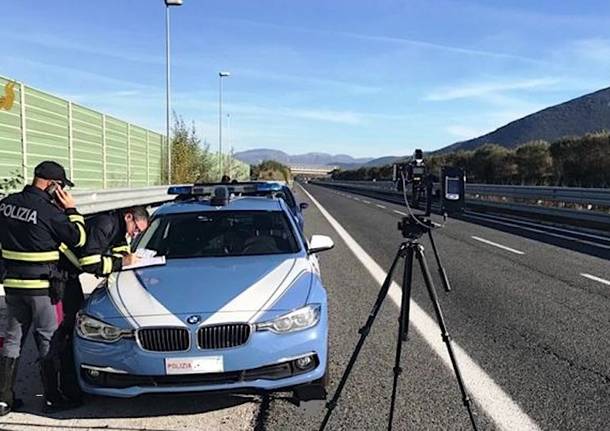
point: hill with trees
(573, 162)
(577, 117)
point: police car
(238, 306)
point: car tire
(315, 390)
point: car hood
(215, 290)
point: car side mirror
(320, 243)
(303, 205)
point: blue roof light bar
(180, 190)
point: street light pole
(168, 4)
(229, 145)
(220, 76)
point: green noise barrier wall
(97, 150)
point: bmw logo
(193, 319)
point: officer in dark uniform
(107, 250)
(33, 224)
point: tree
(271, 170)
(534, 163)
(493, 164)
(191, 160)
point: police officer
(106, 251)
(33, 224)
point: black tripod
(412, 229)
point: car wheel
(315, 390)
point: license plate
(209, 364)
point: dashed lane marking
(544, 232)
(594, 278)
(539, 225)
(400, 213)
(366, 202)
(380, 206)
(495, 244)
(496, 403)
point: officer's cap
(52, 171)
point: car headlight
(95, 330)
(296, 320)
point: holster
(57, 285)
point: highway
(529, 312)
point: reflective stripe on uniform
(107, 267)
(76, 218)
(82, 235)
(121, 249)
(90, 260)
(16, 283)
(31, 256)
(69, 255)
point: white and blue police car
(239, 305)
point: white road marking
(366, 202)
(380, 206)
(488, 394)
(400, 213)
(495, 244)
(356, 199)
(556, 235)
(594, 278)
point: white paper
(144, 252)
(146, 261)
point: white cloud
(481, 89)
(393, 40)
(465, 132)
(52, 41)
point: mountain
(586, 114)
(256, 156)
(382, 161)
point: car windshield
(220, 233)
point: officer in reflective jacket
(107, 250)
(33, 225)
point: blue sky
(366, 78)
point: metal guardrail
(96, 201)
(575, 195)
(474, 192)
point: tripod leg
(403, 326)
(364, 332)
(441, 269)
(444, 333)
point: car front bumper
(267, 362)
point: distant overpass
(311, 170)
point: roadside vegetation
(192, 160)
(571, 162)
(271, 170)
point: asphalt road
(521, 310)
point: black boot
(8, 369)
(54, 400)
(17, 402)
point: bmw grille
(223, 336)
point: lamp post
(229, 173)
(168, 4)
(220, 76)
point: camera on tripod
(414, 226)
(425, 186)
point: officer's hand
(65, 199)
(130, 259)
